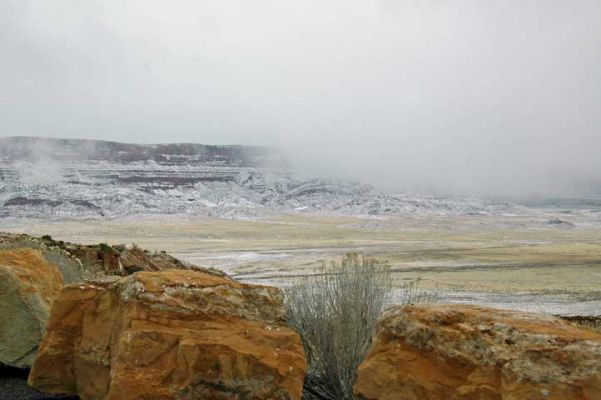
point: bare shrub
(335, 313)
(410, 294)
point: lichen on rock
(461, 352)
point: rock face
(28, 286)
(466, 352)
(174, 334)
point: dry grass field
(510, 261)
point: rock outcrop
(443, 352)
(118, 260)
(28, 287)
(78, 262)
(170, 335)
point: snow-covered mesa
(43, 178)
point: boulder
(28, 287)
(462, 352)
(174, 334)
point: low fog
(497, 98)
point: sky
(496, 98)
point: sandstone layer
(459, 352)
(174, 334)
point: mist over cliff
(66, 178)
(494, 99)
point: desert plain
(541, 260)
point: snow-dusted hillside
(44, 178)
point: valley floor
(544, 261)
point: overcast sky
(493, 98)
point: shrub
(410, 293)
(105, 248)
(335, 313)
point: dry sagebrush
(335, 312)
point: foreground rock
(32, 273)
(169, 335)
(28, 286)
(466, 352)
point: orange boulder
(28, 286)
(175, 334)
(460, 352)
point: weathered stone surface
(78, 261)
(28, 286)
(170, 335)
(120, 260)
(444, 352)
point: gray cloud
(495, 98)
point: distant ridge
(26, 148)
(70, 178)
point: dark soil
(588, 321)
(13, 386)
